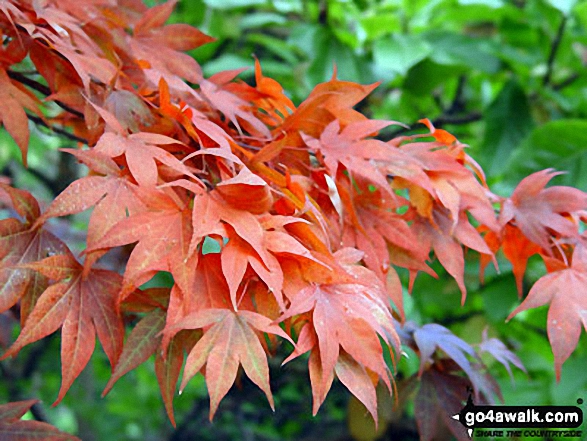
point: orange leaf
(229, 341)
(81, 307)
(565, 291)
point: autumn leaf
(141, 150)
(441, 396)
(350, 147)
(564, 291)
(229, 340)
(21, 244)
(168, 366)
(82, 307)
(163, 234)
(140, 345)
(432, 336)
(440, 135)
(344, 318)
(12, 428)
(537, 210)
(501, 353)
(12, 112)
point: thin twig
(566, 82)
(439, 122)
(57, 130)
(457, 120)
(553, 50)
(458, 102)
(41, 88)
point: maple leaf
(229, 339)
(440, 135)
(168, 366)
(433, 336)
(445, 239)
(253, 240)
(274, 101)
(82, 307)
(501, 353)
(516, 247)
(564, 290)
(357, 154)
(156, 47)
(246, 191)
(141, 150)
(440, 397)
(12, 428)
(20, 244)
(329, 101)
(113, 196)
(537, 210)
(232, 107)
(163, 233)
(139, 346)
(12, 112)
(351, 316)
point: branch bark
(553, 50)
(38, 121)
(41, 88)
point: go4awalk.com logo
(522, 421)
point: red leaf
(163, 236)
(155, 17)
(537, 210)
(82, 307)
(348, 316)
(564, 290)
(140, 345)
(141, 150)
(229, 341)
(440, 397)
(182, 37)
(15, 410)
(23, 202)
(12, 112)
(21, 245)
(168, 367)
(13, 429)
(357, 380)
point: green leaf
(425, 76)
(508, 121)
(276, 46)
(490, 3)
(231, 4)
(330, 51)
(377, 25)
(499, 297)
(396, 55)
(260, 19)
(560, 144)
(228, 62)
(450, 48)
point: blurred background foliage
(506, 77)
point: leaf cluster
(313, 215)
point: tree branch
(566, 82)
(57, 130)
(553, 50)
(439, 122)
(41, 88)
